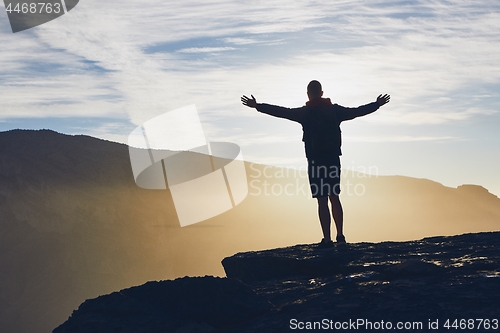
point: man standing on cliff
(320, 120)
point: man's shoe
(341, 239)
(325, 244)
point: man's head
(314, 90)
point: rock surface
(182, 305)
(379, 284)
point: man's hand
(381, 100)
(251, 103)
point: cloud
(426, 117)
(398, 138)
(112, 131)
(258, 138)
(240, 40)
(206, 49)
(425, 55)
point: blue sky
(106, 67)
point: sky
(106, 67)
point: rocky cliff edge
(369, 286)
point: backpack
(322, 134)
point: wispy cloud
(112, 131)
(417, 117)
(240, 40)
(206, 49)
(398, 138)
(258, 138)
(425, 54)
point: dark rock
(427, 256)
(299, 260)
(412, 267)
(202, 304)
(436, 278)
(416, 282)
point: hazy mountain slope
(400, 208)
(67, 216)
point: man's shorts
(324, 175)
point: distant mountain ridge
(73, 224)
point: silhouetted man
(320, 120)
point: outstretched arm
(273, 110)
(351, 113)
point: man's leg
(324, 217)
(338, 214)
